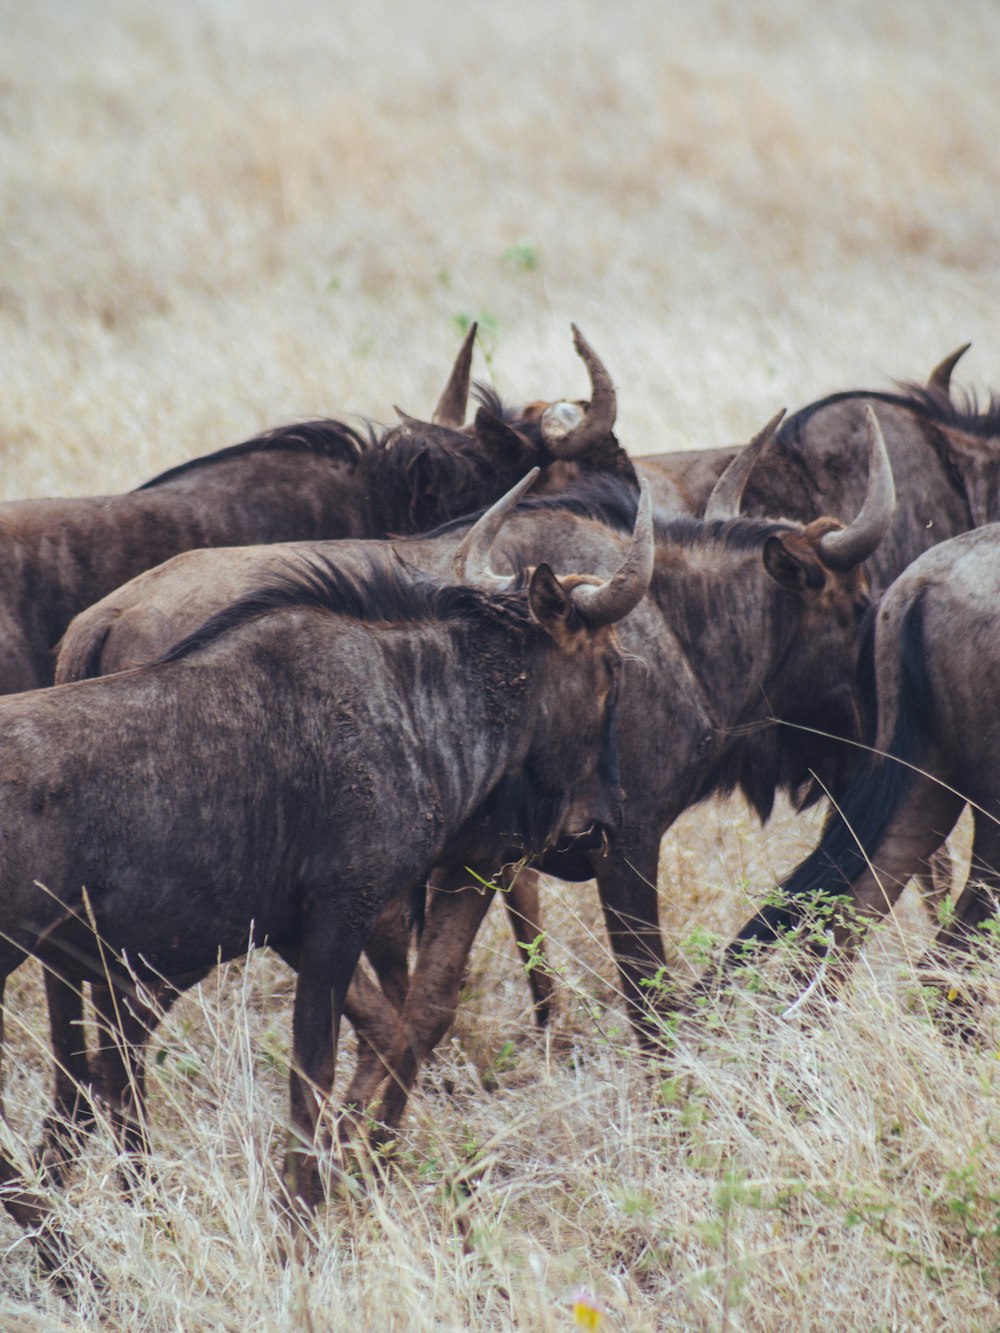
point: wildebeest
(945, 457)
(755, 621)
(297, 762)
(746, 620)
(317, 479)
(936, 641)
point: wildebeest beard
(524, 812)
(806, 758)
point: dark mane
(962, 411)
(375, 589)
(732, 534)
(327, 439)
(423, 470)
(486, 396)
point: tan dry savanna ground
(219, 217)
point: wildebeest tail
(855, 828)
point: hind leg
(381, 1043)
(926, 815)
(126, 1024)
(388, 950)
(979, 899)
(72, 1111)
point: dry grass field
(218, 217)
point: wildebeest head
(577, 436)
(813, 617)
(966, 439)
(573, 732)
(564, 439)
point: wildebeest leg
(521, 899)
(381, 1042)
(126, 1024)
(454, 916)
(379, 1028)
(979, 899)
(328, 955)
(925, 817)
(626, 879)
(72, 1111)
(31, 1212)
(28, 1209)
(388, 950)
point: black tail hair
(855, 828)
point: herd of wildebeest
(315, 689)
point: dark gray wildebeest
(746, 621)
(945, 458)
(307, 755)
(935, 642)
(317, 479)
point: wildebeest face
(814, 677)
(575, 734)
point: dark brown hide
(745, 623)
(936, 643)
(944, 449)
(287, 770)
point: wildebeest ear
(493, 432)
(550, 604)
(784, 566)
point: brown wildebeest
(945, 459)
(317, 479)
(765, 615)
(746, 620)
(299, 761)
(936, 640)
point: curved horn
(566, 439)
(607, 602)
(727, 493)
(471, 562)
(450, 410)
(849, 546)
(939, 380)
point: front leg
(522, 900)
(328, 957)
(454, 915)
(626, 880)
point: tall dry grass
(220, 217)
